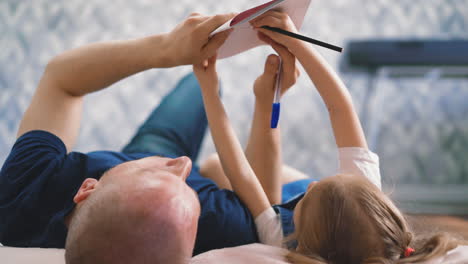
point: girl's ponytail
(436, 246)
(297, 258)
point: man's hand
(190, 42)
(264, 87)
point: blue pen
(275, 112)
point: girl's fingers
(289, 69)
(212, 61)
(277, 13)
(272, 35)
(273, 13)
(264, 38)
(214, 43)
(289, 64)
(298, 72)
(268, 21)
(289, 61)
(275, 19)
(199, 65)
(283, 52)
(206, 65)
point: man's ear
(87, 187)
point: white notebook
(244, 37)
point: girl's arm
(345, 121)
(235, 165)
(263, 150)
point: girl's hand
(265, 85)
(206, 75)
(280, 20)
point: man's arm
(57, 104)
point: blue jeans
(177, 126)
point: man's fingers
(214, 22)
(214, 43)
(195, 20)
(198, 17)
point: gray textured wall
(418, 126)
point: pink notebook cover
(244, 37)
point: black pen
(304, 38)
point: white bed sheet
(11, 255)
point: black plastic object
(380, 53)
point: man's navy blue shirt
(39, 180)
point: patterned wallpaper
(418, 126)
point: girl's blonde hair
(348, 220)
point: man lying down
(144, 204)
(148, 204)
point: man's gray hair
(109, 229)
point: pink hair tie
(408, 252)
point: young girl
(344, 218)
